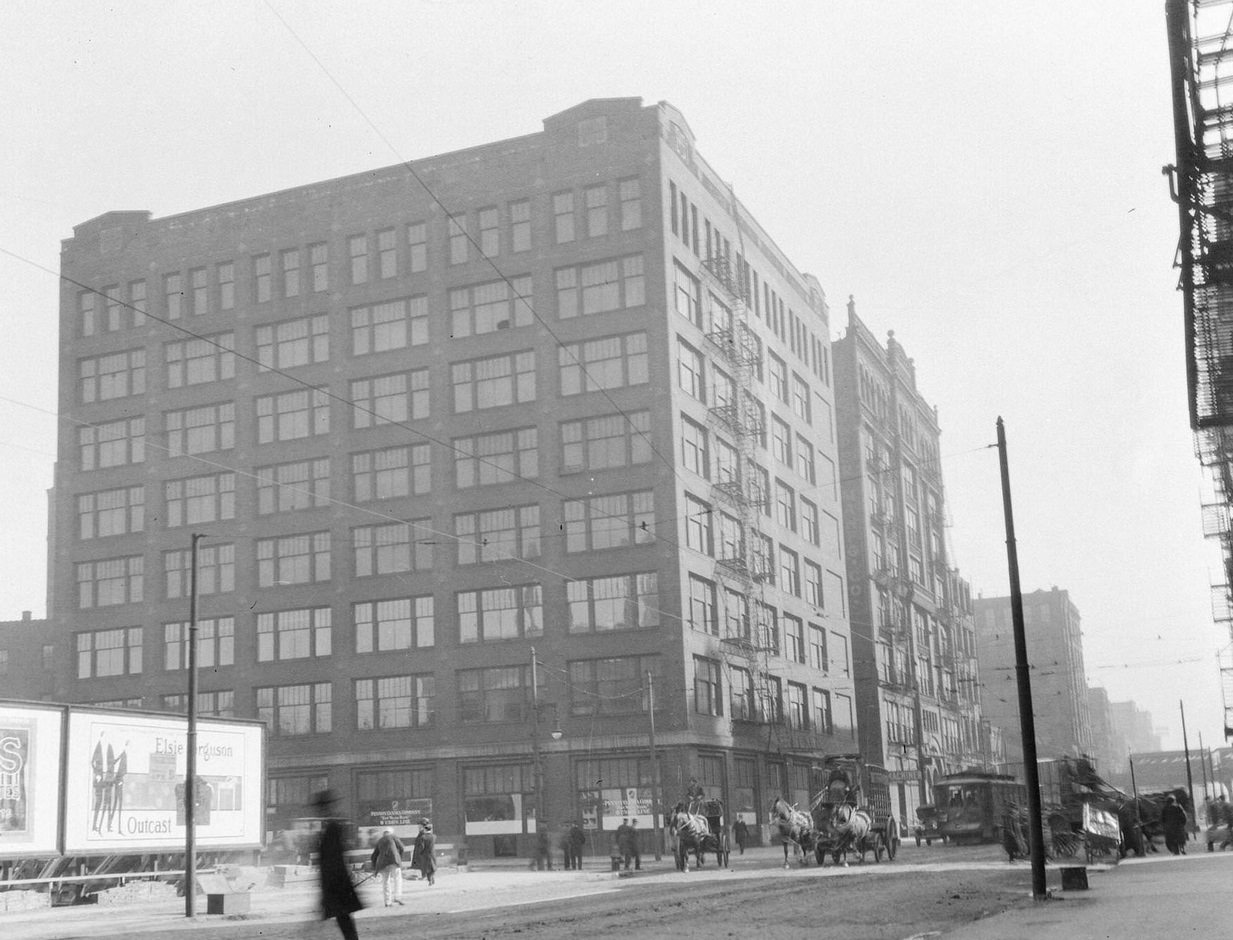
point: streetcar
(972, 804)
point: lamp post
(537, 754)
(190, 758)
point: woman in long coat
(338, 897)
(423, 855)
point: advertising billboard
(124, 783)
(30, 742)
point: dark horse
(795, 827)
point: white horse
(690, 832)
(852, 828)
(795, 827)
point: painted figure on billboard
(100, 761)
(115, 790)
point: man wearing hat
(423, 855)
(387, 862)
(338, 897)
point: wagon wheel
(892, 838)
(878, 845)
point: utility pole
(1027, 722)
(1194, 821)
(656, 797)
(190, 758)
(540, 832)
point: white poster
(125, 783)
(30, 740)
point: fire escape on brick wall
(1200, 34)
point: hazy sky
(984, 177)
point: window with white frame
(606, 363)
(620, 602)
(497, 534)
(779, 377)
(199, 292)
(194, 500)
(488, 308)
(357, 249)
(785, 505)
(102, 653)
(691, 366)
(804, 460)
(293, 559)
(294, 634)
(821, 711)
(392, 472)
(630, 192)
(727, 462)
(198, 361)
(173, 292)
(417, 246)
(688, 294)
(458, 239)
(611, 521)
(117, 375)
(698, 529)
(111, 512)
(382, 399)
(801, 399)
(224, 272)
(319, 263)
(395, 702)
(563, 217)
(817, 648)
(394, 324)
(500, 614)
(391, 548)
(291, 272)
(695, 448)
(737, 624)
(596, 201)
(520, 225)
(793, 638)
(292, 343)
(702, 605)
(292, 415)
(813, 584)
(387, 254)
(498, 694)
(789, 571)
(615, 686)
(731, 539)
(304, 484)
(708, 686)
(798, 706)
(781, 441)
(137, 298)
(489, 231)
(215, 571)
(261, 278)
(399, 623)
(290, 710)
(605, 441)
(109, 582)
(215, 643)
(200, 430)
(809, 522)
(493, 382)
(600, 287)
(498, 457)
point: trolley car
(971, 805)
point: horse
(795, 827)
(853, 827)
(690, 832)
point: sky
(985, 179)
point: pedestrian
(577, 839)
(338, 897)
(623, 841)
(566, 847)
(1224, 817)
(1173, 820)
(634, 850)
(740, 832)
(387, 862)
(423, 854)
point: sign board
(124, 783)
(903, 776)
(30, 743)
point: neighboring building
(1108, 750)
(587, 412)
(913, 642)
(1055, 661)
(1134, 728)
(27, 658)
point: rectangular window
(401, 623)
(392, 548)
(215, 571)
(384, 399)
(817, 648)
(563, 217)
(294, 634)
(494, 695)
(417, 243)
(215, 643)
(137, 296)
(839, 654)
(742, 700)
(708, 687)
(395, 324)
(703, 615)
(676, 227)
(605, 442)
(688, 294)
(395, 702)
(596, 200)
(115, 312)
(225, 273)
(200, 430)
(490, 232)
(614, 686)
(497, 534)
(588, 289)
(200, 296)
(173, 295)
(622, 602)
(813, 584)
(291, 272)
(261, 278)
(357, 249)
(109, 653)
(607, 363)
(785, 505)
(87, 317)
(793, 638)
(199, 361)
(493, 382)
(520, 225)
(789, 572)
(631, 204)
(804, 460)
(290, 710)
(496, 458)
(779, 377)
(727, 464)
(288, 487)
(219, 704)
(387, 254)
(695, 450)
(691, 365)
(110, 582)
(823, 719)
(801, 399)
(194, 500)
(111, 512)
(391, 473)
(293, 559)
(698, 529)
(781, 441)
(500, 614)
(292, 343)
(737, 625)
(613, 521)
(458, 239)
(319, 261)
(292, 415)
(113, 376)
(487, 308)
(798, 706)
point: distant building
(1108, 750)
(567, 416)
(1055, 660)
(913, 639)
(28, 658)
(1133, 728)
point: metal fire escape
(1201, 62)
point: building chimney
(26, 615)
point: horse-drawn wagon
(853, 810)
(699, 827)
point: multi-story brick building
(1060, 702)
(28, 655)
(913, 644)
(558, 393)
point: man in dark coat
(387, 862)
(1173, 820)
(577, 839)
(423, 855)
(741, 832)
(338, 897)
(624, 841)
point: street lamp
(537, 754)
